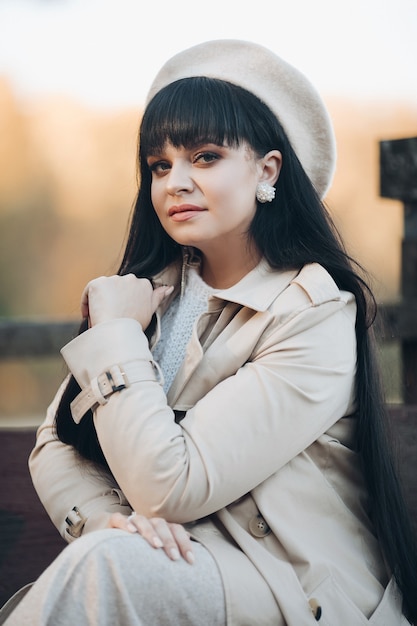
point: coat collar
(257, 290)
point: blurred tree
(25, 235)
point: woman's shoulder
(316, 281)
(312, 291)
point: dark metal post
(398, 171)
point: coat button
(315, 608)
(259, 527)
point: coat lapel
(224, 338)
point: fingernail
(157, 543)
(131, 528)
(190, 557)
(169, 290)
(175, 555)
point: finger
(176, 540)
(84, 302)
(184, 542)
(118, 520)
(169, 543)
(159, 294)
(146, 530)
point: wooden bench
(29, 541)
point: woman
(224, 408)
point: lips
(183, 208)
(183, 212)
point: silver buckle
(75, 522)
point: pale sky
(106, 52)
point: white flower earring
(265, 192)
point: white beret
(286, 91)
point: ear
(270, 167)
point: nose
(179, 180)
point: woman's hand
(159, 533)
(112, 297)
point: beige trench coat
(263, 452)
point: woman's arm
(63, 481)
(62, 478)
(77, 495)
(298, 383)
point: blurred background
(73, 79)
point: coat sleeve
(298, 383)
(64, 481)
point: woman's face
(205, 196)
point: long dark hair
(298, 232)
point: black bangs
(196, 110)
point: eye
(206, 157)
(159, 167)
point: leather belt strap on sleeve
(116, 378)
